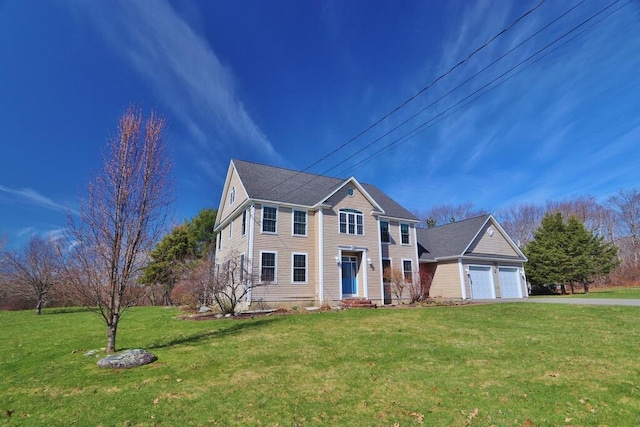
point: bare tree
(626, 205)
(520, 221)
(33, 271)
(120, 219)
(229, 284)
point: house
(312, 238)
(471, 260)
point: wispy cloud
(183, 70)
(32, 197)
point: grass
(503, 364)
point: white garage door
(481, 282)
(510, 282)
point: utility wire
(476, 94)
(420, 92)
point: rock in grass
(127, 359)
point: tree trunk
(563, 289)
(39, 308)
(586, 287)
(573, 291)
(111, 338)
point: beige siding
(333, 240)
(397, 252)
(446, 281)
(285, 244)
(225, 209)
(496, 244)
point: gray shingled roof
(448, 240)
(281, 185)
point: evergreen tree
(177, 251)
(566, 253)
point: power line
(420, 92)
(476, 94)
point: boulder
(127, 359)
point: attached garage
(472, 259)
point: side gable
(233, 195)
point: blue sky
(288, 82)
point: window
(269, 219)
(232, 196)
(404, 234)
(244, 222)
(219, 236)
(407, 270)
(384, 232)
(299, 223)
(268, 266)
(299, 264)
(231, 229)
(351, 222)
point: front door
(349, 275)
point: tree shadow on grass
(235, 328)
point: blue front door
(349, 275)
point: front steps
(358, 303)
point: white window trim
(355, 213)
(262, 222)
(306, 222)
(306, 268)
(230, 230)
(408, 233)
(244, 222)
(388, 232)
(403, 270)
(232, 196)
(275, 267)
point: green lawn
(502, 364)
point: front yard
(503, 364)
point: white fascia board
(475, 236)
(393, 218)
(232, 215)
(225, 190)
(506, 236)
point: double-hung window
(407, 270)
(404, 234)
(268, 267)
(299, 223)
(269, 219)
(351, 222)
(299, 268)
(384, 232)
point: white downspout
(252, 211)
(320, 256)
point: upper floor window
(299, 223)
(384, 232)
(404, 234)
(351, 222)
(269, 219)
(232, 196)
